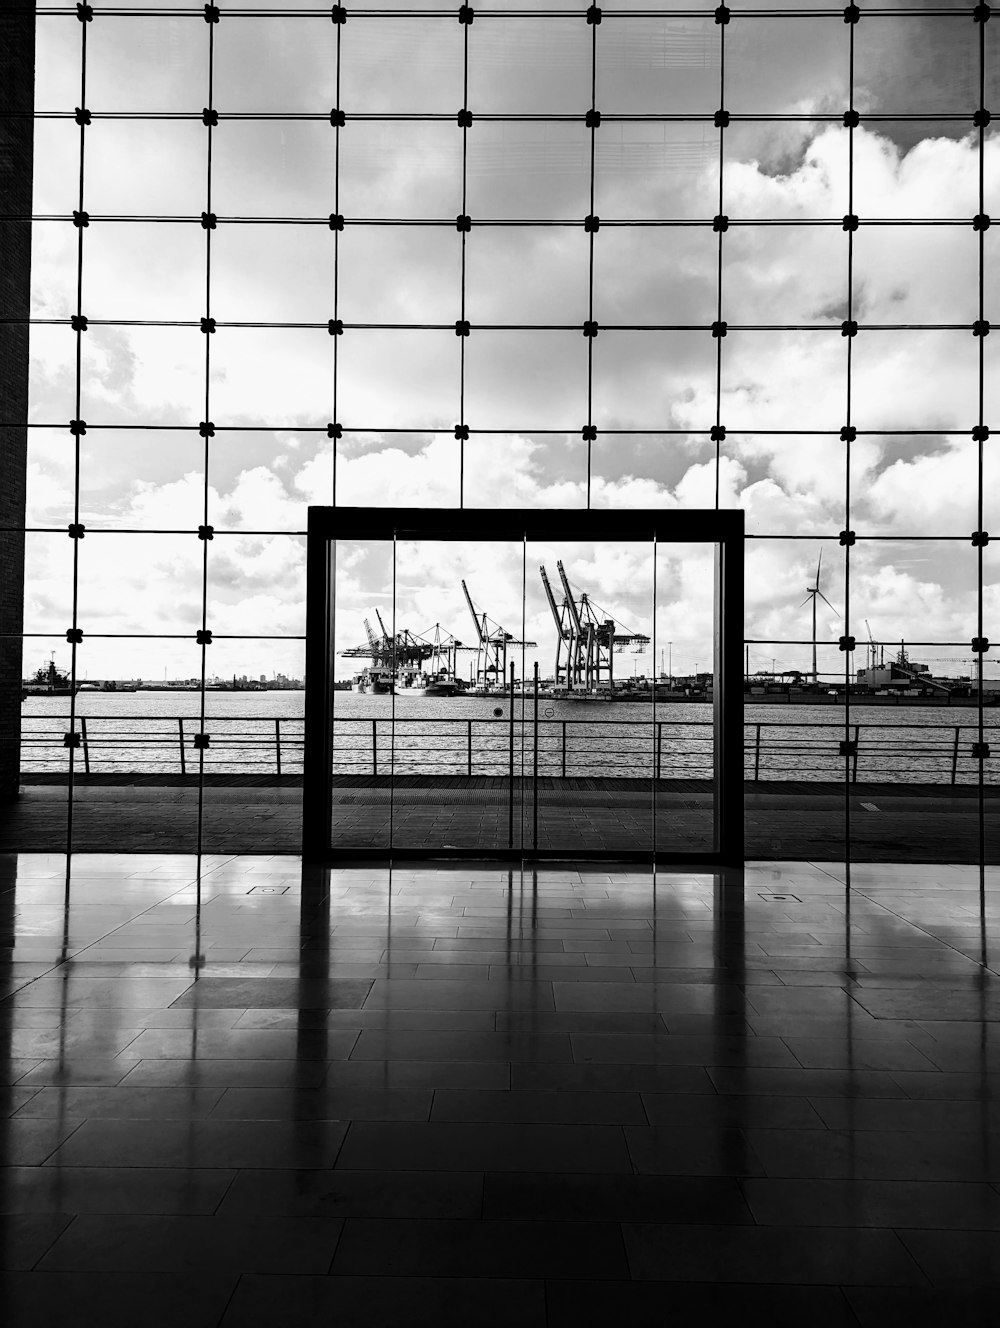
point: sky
(526, 297)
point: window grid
(336, 431)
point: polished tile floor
(238, 1094)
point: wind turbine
(814, 593)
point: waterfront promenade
(261, 814)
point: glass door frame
(723, 529)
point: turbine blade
(819, 564)
(806, 600)
(826, 601)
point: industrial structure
(494, 641)
(586, 644)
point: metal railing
(877, 752)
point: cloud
(274, 387)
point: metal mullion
(979, 487)
(78, 398)
(336, 271)
(462, 235)
(718, 312)
(590, 260)
(207, 431)
(848, 761)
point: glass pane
(137, 479)
(786, 275)
(272, 274)
(254, 713)
(52, 372)
(678, 664)
(398, 469)
(520, 380)
(906, 168)
(647, 170)
(775, 66)
(400, 274)
(167, 171)
(411, 66)
(920, 65)
(590, 607)
(532, 66)
(789, 171)
(271, 64)
(523, 470)
(148, 64)
(256, 586)
(139, 584)
(917, 274)
(144, 271)
(789, 484)
(399, 379)
(784, 380)
(403, 169)
(459, 751)
(363, 659)
(53, 265)
(50, 478)
(273, 168)
(251, 369)
(143, 375)
(915, 380)
(647, 470)
(527, 172)
(57, 62)
(653, 275)
(527, 274)
(915, 485)
(654, 380)
(658, 65)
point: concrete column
(17, 77)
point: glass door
(524, 684)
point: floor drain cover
(267, 890)
(781, 899)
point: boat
(48, 681)
(417, 682)
(374, 682)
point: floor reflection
(252, 1093)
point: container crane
(591, 641)
(491, 652)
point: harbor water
(261, 733)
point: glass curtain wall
(537, 255)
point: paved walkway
(788, 821)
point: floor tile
(137, 1242)
(525, 1196)
(495, 1147)
(396, 1247)
(342, 1193)
(203, 1143)
(646, 1305)
(793, 1255)
(390, 1302)
(110, 1299)
(932, 1205)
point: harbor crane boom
(480, 626)
(491, 655)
